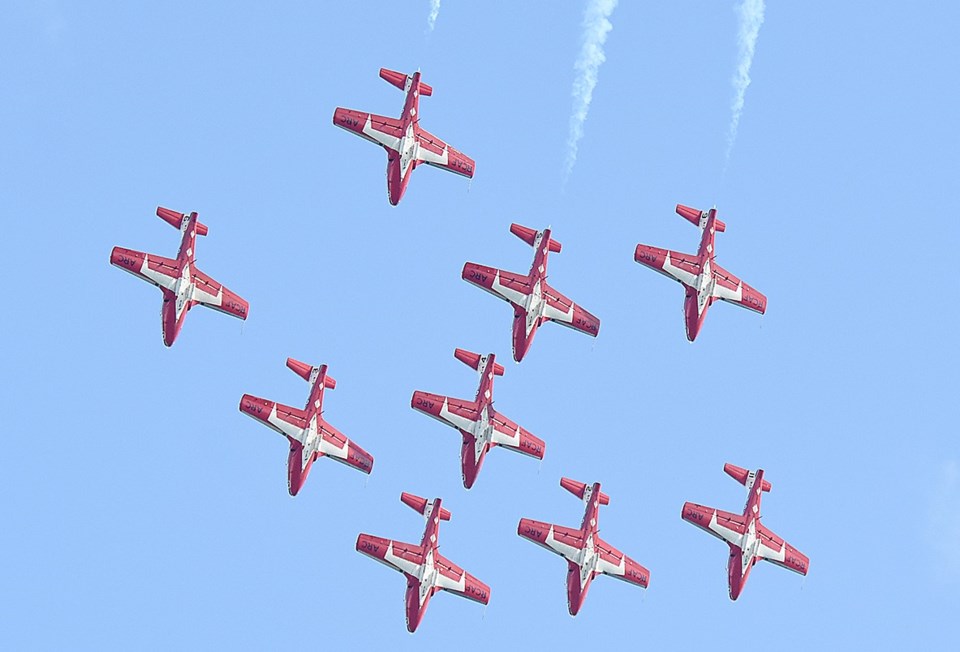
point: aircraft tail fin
(743, 476)
(304, 370)
(422, 505)
(175, 219)
(473, 360)
(400, 80)
(699, 218)
(578, 489)
(529, 236)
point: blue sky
(141, 509)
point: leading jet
(407, 144)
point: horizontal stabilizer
(698, 218)
(175, 219)
(400, 79)
(529, 236)
(422, 504)
(743, 475)
(473, 360)
(304, 370)
(578, 489)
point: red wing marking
(510, 435)
(375, 128)
(678, 266)
(336, 446)
(509, 286)
(288, 421)
(454, 579)
(563, 311)
(404, 557)
(730, 288)
(158, 270)
(212, 294)
(564, 541)
(454, 412)
(774, 549)
(616, 564)
(721, 524)
(437, 153)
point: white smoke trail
(596, 26)
(751, 18)
(434, 12)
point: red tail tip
(302, 369)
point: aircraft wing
(507, 433)
(404, 557)
(729, 288)
(288, 421)
(437, 153)
(158, 270)
(454, 579)
(212, 294)
(775, 550)
(336, 446)
(564, 541)
(561, 310)
(678, 266)
(375, 128)
(454, 412)
(616, 564)
(512, 288)
(721, 524)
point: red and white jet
(703, 280)
(310, 436)
(426, 570)
(407, 144)
(479, 424)
(534, 302)
(586, 553)
(749, 540)
(182, 284)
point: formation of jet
(586, 553)
(407, 144)
(704, 281)
(310, 436)
(534, 301)
(479, 424)
(748, 538)
(425, 569)
(183, 285)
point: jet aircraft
(534, 302)
(479, 424)
(310, 436)
(704, 281)
(748, 538)
(183, 285)
(407, 144)
(425, 569)
(586, 553)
